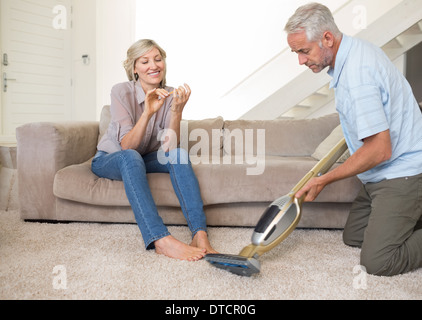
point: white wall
(115, 34)
(84, 77)
(103, 29)
(216, 44)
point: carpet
(108, 261)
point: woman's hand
(154, 100)
(181, 97)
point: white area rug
(108, 261)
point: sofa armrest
(42, 150)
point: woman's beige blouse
(127, 106)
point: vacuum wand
(277, 222)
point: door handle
(5, 60)
(5, 79)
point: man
(382, 125)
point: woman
(140, 111)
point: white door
(35, 63)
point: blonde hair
(137, 50)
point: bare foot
(200, 240)
(173, 248)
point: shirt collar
(341, 57)
(140, 94)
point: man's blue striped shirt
(373, 96)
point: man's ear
(328, 39)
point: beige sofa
(238, 178)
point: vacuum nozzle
(242, 266)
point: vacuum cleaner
(276, 223)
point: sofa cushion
(283, 138)
(325, 146)
(230, 183)
(201, 137)
(219, 184)
(105, 119)
(78, 183)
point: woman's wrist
(175, 110)
(146, 115)
(176, 114)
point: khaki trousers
(386, 222)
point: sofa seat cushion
(78, 183)
(219, 184)
(230, 183)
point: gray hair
(313, 18)
(137, 50)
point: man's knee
(380, 264)
(350, 239)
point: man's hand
(375, 150)
(311, 190)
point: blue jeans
(132, 168)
